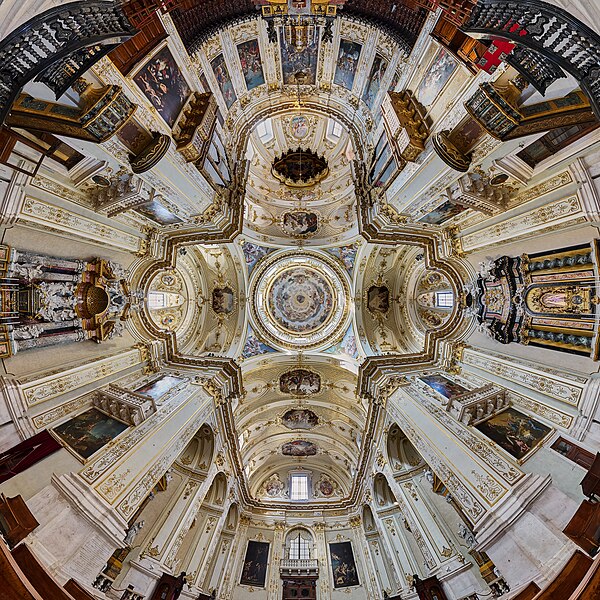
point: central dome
(300, 300)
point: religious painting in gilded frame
(300, 418)
(343, 565)
(444, 386)
(163, 84)
(378, 299)
(347, 63)
(299, 67)
(515, 432)
(157, 388)
(299, 127)
(374, 82)
(223, 300)
(88, 432)
(252, 69)
(221, 73)
(254, 570)
(438, 74)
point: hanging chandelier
(299, 20)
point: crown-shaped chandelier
(300, 20)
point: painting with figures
(223, 300)
(444, 212)
(299, 127)
(250, 60)
(347, 62)
(300, 382)
(436, 77)
(515, 432)
(223, 80)
(378, 299)
(299, 448)
(446, 387)
(88, 432)
(163, 84)
(343, 565)
(254, 571)
(300, 419)
(156, 212)
(375, 78)
(159, 387)
(299, 66)
(300, 223)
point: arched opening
(402, 455)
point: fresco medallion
(300, 300)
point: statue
(429, 476)
(132, 532)
(27, 332)
(466, 535)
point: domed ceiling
(301, 298)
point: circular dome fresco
(300, 300)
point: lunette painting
(89, 431)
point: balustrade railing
(54, 36)
(307, 564)
(546, 29)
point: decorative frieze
(58, 218)
(47, 418)
(535, 221)
(53, 385)
(544, 383)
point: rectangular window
(299, 487)
(444, 299)
(156, 300)
(265, 131)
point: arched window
(298, 544)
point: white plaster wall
(566, 475)
(587, 11)
(37, 477)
